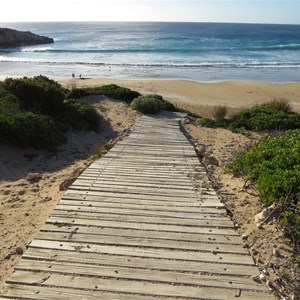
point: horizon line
(155, 21)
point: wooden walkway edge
(140, 223)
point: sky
(234, 11)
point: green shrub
(31, 130)
(111, 90)
(33, 112)
(116, 92)
(8, 102)
(274, 165)
(280, 104)
(150, 104)
(265, 117)
(275, 115)
(80, 115)
(38, 94)
(78, 93)
(168, 106)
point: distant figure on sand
(73, 75)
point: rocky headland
(10, 38)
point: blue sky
(247, 11)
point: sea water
(195, 51)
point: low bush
(118, 92)
(80, 115)
(275, 115)
(8, 102)
(274, 165)
(33, 113)
(280, 104)
(31, 130)
(110, 90)
(168, 106)
(150, 104)
(39, 94)
(265, 117)
(77, 93)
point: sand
(201, 97)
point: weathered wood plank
(216, 222)
(196, 210)
(141, 242)
(134, 287)
(186, 255)
(38, 292)
(134, 262)
(104, 179)
(179, 236)
(207, 200)
(142, 226)
(142, 211)
(140, 274)
(137, 191)
(185, 189)
(210, 202)
(114, 178)
(141, 174)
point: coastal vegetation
(34, 113)
(37, 112)
(151, 104)
(110, 90)
(274, 115)
(273, 164)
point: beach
(195, 66)
(200, 97)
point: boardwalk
(140, 223)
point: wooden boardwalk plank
(99, 239)
(209, 202)
(142, 274)
(142, 211)
(132, 286)
(144, 206)
(141, 223)
(147, 219)
(138, 262)
(166, 235)
(138, 225)
(140, 251)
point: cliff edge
(10, 38)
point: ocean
(207, 52)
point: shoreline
(194, 95)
